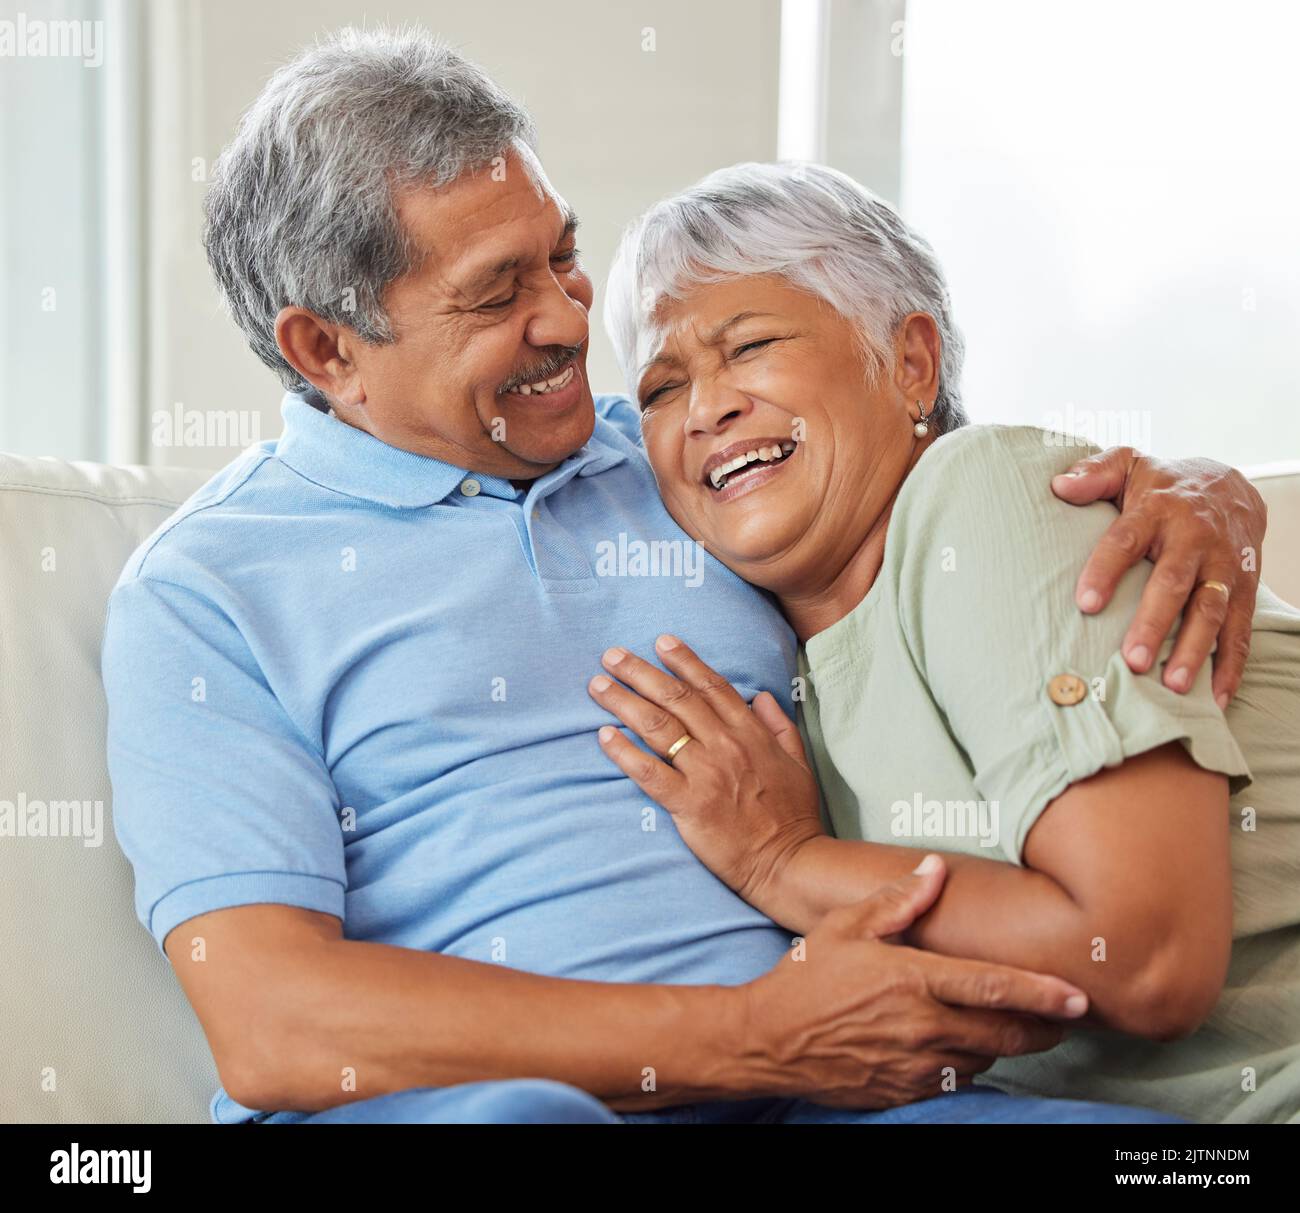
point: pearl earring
(922, 427)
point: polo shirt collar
(341, 457)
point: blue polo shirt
(351, 678)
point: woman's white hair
(814, 226)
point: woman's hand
(741, 791)
(1199, 521)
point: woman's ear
(917, 362)
(316, 349)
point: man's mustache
(557, 358)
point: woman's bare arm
(1126, 892)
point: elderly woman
(791, 344)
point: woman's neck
(814, 610)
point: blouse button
(1067, 689)
(470, 488)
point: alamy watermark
(206, 427)
(1098, 427)
(624, 557)
(34, 38)
(84, 1165)
(921, 818)
(23, 818)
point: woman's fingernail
(667, 642)
(1089, 600)
(1178, 679)
(1222, 700)
(606, 733)
(929, 864)
(613, 656)
(600, 683)
(1076, 1005)
(1140, 656)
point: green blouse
(967, 690)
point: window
(70, 220)
(1113, 189)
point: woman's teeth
(761, 454)
(546, 385)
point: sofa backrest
(97, 1029)
(1279, 484)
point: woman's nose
(714, 406)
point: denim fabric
(537, 1101)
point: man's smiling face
(488, 369)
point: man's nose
(559, 319)
(714, 405)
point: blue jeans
(539, 1101)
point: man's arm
(1199, 521)
(290, 1007)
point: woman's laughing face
(774, 443)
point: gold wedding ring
(676, 747)
(1218, 585)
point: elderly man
(353, 754)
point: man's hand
(861, 1022)
(1198, 521)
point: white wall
(619, 128)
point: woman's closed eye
(739, 351)
(746, 347)
(657, 393)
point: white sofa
(97, 1029)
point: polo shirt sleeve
(218, 800)
(1034, 692)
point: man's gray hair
(814, 226)
(301, 212)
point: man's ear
(917, 361)
(317, 350)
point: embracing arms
(231, 820)
(1101, 902)
(1139, 915)
(291, 1009)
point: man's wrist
(744, 1066)
(716, 1051)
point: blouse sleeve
(1035, 693)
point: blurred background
(1112, 187)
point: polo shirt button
(470, 487)
(1067, 689)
